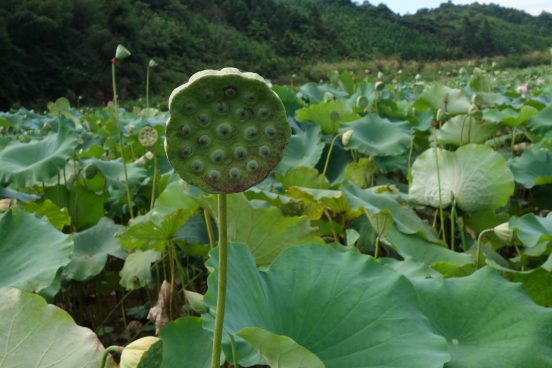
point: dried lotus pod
(148, 136)
(227, 130)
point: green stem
(222, 279)
(154, 181)
(376, 247)
(329, 154)
(234, 351)
(109, 350)
(478, 251)
(439, 187)
(114, 85)
(409, 171)
(453, 224)
(147, 86)
(513, 141)
(209, 226)
(127, 187)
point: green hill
(50, 48)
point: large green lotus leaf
(303, 177)
(434, 95)
(538, 284)
(31, 251)
(39, 335)
(26, 164)
(464, 129)
(329, 115)
(487, 321)
(172, 209)
(499, 116)
(59, 217)
(153, 357)
(342, 306)
(279, 351)
(541, 123)
(422, 250)
(92, 246)
(114, 172)
(404, 217)
(136, 272)
(532, 230)
(475, 175)
(304, 149)
(186, 344)
(315, 92)
(317, 201)
(378, 136)
(266, 231)
(533, 167)
(86, 206)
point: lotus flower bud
(328, 96)
(346, 137)
(132, 353)
(503, 232)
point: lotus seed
(224, 130)
(270, 131)
(203, 140)
(189, 108)
(203, 119)
(214, 174)
(250, 98)
(184, 131)
(208, 95)
(197, 166)
(264, 151)
(250, 133)
(263, 113)
(230, 91)
(234, 173)
(240, 152)
(217, 155)
(222, 108)
(186, 151)
(241, 114)
(252, 165)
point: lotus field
(363, 221)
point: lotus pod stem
(226, 132)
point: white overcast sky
(534, 7)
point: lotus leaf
(533, 167)
(378, 136)
(186, 344)
(39, 335)
(474, 175)
(26, 164)
(304, 149)
(342, 306)
(487, 321)
(31, 251)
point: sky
(410, 6)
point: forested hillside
(50, 48)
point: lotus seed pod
(148, 136)
(152, 63)
(379, 86)
(477, 99)
(226, 131)
(121, 52)
(362, 102)
(328, 96)
(441, 115)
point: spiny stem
(439, 186)
(154, 181)
(329, 154)
(478, 252)
(109, 350)
(127, 187)
(513, 141)
(209, 226)
(409, 171)
(222, 280)
(147, 86)
(452, 224)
